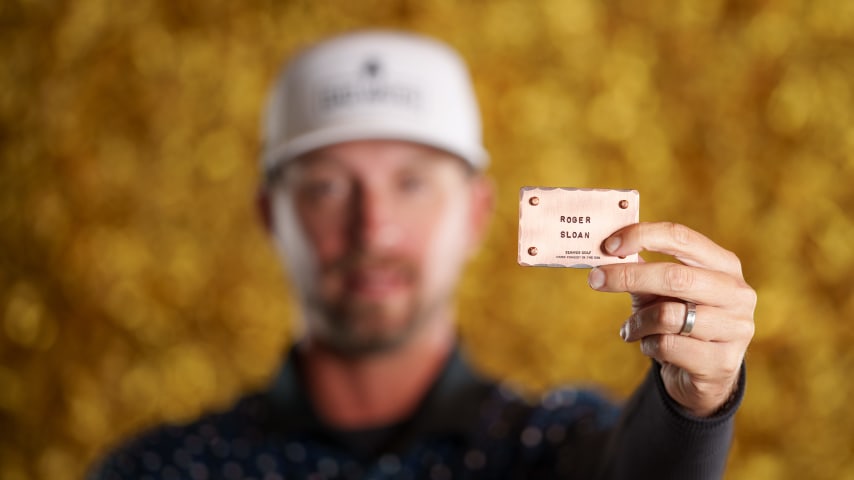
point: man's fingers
(686, 245)
(707, 287)
(711, 324)
(703, 361)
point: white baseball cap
(373, 85)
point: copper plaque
(565, 227)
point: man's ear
(262, 204)
(482, 208)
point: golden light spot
(24, 316)
(88, 418)
(140, 390)
(572, 18)
(219, 155)
(791, 102)
(187, 375)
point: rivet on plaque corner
(624, 204)
(532, 251)
(534, 201)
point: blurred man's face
(375, 234)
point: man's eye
(412, 183)
(323, 189)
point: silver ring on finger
(690, 317)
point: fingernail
(612, 244)
(596, 278)
(624, 332)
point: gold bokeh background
(137, 285)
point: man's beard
(358, 327)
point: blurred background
(136, 285)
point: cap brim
(474, 155)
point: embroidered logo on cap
(372, 87)
(371, 67)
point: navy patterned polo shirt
(467, 427)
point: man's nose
(375, 225)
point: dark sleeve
(656, 438)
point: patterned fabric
(466, 428)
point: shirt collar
(450, 406)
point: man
(375, 196)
